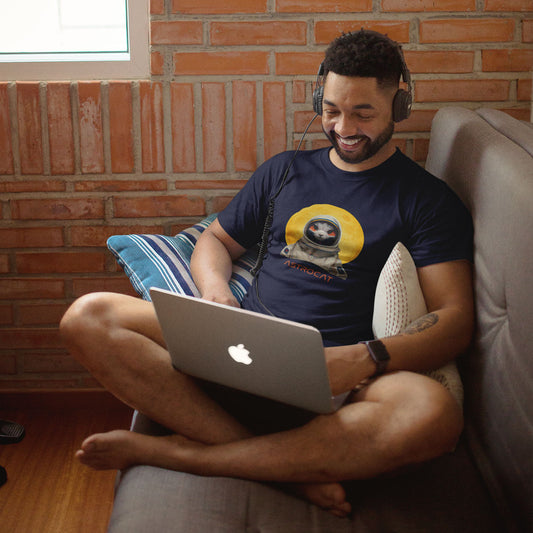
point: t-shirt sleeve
(244, 217)
(442, 229)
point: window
(73, 39)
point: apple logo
(240, 354)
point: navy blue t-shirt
(333, 231)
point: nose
(346, 126)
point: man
(355, 200)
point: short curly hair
(365, 54)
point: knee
(436, 422)
(425, 421)
(86, 320)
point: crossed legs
(400, 419)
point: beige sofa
(486, 485)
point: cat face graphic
(323, 232)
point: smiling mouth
(349, 141)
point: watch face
(379, 354)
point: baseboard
(59, 400)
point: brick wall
(231, 85)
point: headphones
(401, 104)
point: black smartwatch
(379, 355)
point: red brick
(524, 92)
(60, 128)
(81, 286)
(30, 130)
(98, 235)
(4, 264)
(258, 33)
(59, 262)
(466, 31)
(153, 148)
(220, 202)
(420, 149)
(159, 206)
(507, 60)
(57, 209)
(327, 30)
(462, 90)
(298, 63)
(202, 184)
(428, 5)
(176, 32)
(25, 288)
(323, 6)
(157, 7)
(213, 7)
(298, 91)
(6, 314)
(274, 118)
(42, 185)
(214, 127)
(157, 63)
(8, 365)
(48, 364)
(419, 120)
(244, 126)
(508, 5)
(35, 338)
(439, 61)
(527, 31)
(519, 114)
(220, 63)
(6, 151)
(302, 118)
(31, 237)
(182, 113)
(120, 185)
(91, 132)
(41, 313)
(121, 126)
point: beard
(369, 147)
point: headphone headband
(403, 99)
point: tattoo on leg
(421, 324)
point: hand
(221, 295)
(348, 366)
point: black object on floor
(3, 475)
(11, 432)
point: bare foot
(329, 496)
(120, 449)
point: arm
(429, 342)
(211, 264)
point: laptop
(255, 353)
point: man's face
(357, 119)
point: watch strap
(379, 354)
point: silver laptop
(263, 355)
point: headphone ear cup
(318, 95)
(401, 105)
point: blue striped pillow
(162, 261)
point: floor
(47, 490)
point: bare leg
(400, 419)
(118, 339)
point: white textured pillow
(398, 302)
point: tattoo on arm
(421, 324)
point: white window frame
(138, 66)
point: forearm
(428, 343)
(211, 266)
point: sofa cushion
(163, 262)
